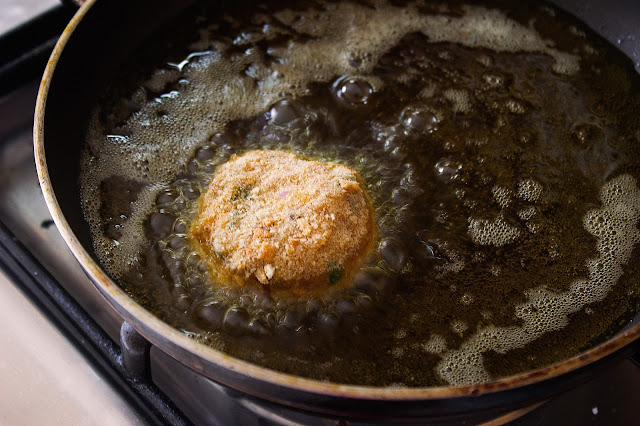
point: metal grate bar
(71, 320)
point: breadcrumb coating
(283, 221)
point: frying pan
(99, 37)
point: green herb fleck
(241, 192)
(335, 273)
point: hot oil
(499, 150)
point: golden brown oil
(499, 148)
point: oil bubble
(161, 224)
(418, 120)
(236, 320)
(447, 170)
(209, 315)
(372, 282)
(327, 322)
(352, 91)
(166, 198)
(285, 112)
(259, 327)
(204, 153)
(394, 252)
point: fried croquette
(285, 222)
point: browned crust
(288, 223)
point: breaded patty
(283, 221)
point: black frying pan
(97, 40)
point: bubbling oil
(498, 145)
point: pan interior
(498, 146)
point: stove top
(60, 355)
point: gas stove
(67, 357)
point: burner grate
(82, 331)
